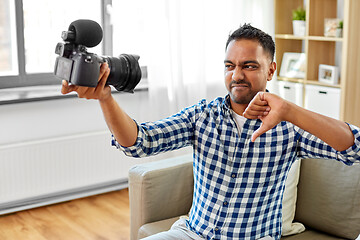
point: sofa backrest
(329, 197)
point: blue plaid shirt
(238, 184)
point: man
(244, 144)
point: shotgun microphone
(83, 32)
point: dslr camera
(82, 68)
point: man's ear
(272, 69)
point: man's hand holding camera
(101, 91)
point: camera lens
(125, 72)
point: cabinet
(292, 92)
(324, 100)
(342, 51)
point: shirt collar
(226, 105)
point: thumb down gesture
(269, 108)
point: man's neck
(238, 108)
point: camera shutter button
(88, 59)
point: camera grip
(86, 70)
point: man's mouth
(239, 85)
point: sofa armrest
(159, 190)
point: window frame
(23, 79)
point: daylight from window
(43, 27)
(8, 53)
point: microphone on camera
(83, 32)
(80, 67)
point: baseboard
(62, 196)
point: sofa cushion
(329, 197)
(289, 202)
(156, 227)
(311, 235)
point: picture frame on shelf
(328, 74)
(293, 65)
(330, 27)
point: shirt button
(225, 203)
(217, 230)
(233, 175)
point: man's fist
(269, 108)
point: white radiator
(48, 171)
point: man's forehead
(244, 48)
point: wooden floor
(100, 217)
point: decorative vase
(299, 28)
(338, 32)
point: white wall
(62, 117)
(22, 122)
(76, 155)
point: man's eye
(229, 66)
(251, 66)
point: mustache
(233, 82)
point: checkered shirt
(238, 184)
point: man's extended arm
(334, 132)
(120, 124)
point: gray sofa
(328, 198)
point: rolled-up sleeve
(310, 146)
(353, 153)
(134, 150)
(164, 135)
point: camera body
(80, 67)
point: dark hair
(249, 32)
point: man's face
(247, 69)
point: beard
(243, 96)
(244, 99)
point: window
(8, 50)
(29, 33)
(164, 33)
(43, 26)
(129, 26)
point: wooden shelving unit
(322, 50)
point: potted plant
(298, 16)
(339, 29)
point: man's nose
(238, 74)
